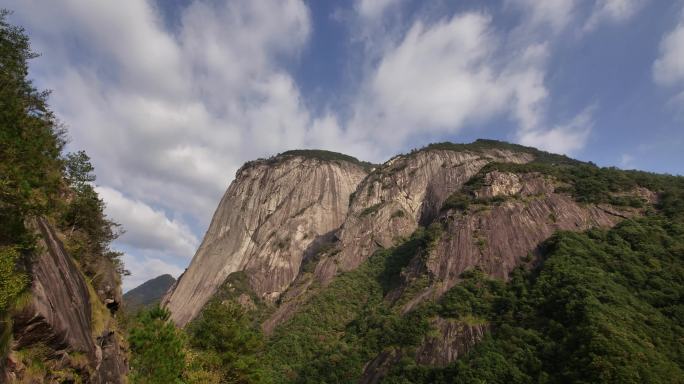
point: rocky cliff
(402, 194)
(64, 325)
(361, 262)
(272, 213)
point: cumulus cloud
(372, 9)
(553, 15)
(566, 138)
(442, 77)
(147, 228)
(612, 11)
(668, 68)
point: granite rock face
(451, 340)
(404, 193)
(59, 316)
(272, 212)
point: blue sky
(170, 97)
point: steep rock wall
(59, 313)
(499, 236)
(272, 212)
(405, 192)
(59, 316)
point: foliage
(12, 283)
(225, 331)
(89, 231)
(605, 306)
(370, 210)
(458, 201)
(485, 144)
(157, 348)
(35, 180)
(347, 323)
(588, 183)
(316, 154)
(30, 141)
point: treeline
(221, 346)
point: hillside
(147, 294)
(481, 262)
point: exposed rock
(246, 302)
(113, 364)
(499, 237)
(452, 340)
(59, 314)
(271, 213)
(377, 368)
(389, 204)
(107, 285)
(59, 318)
(405, 192)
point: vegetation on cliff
(39, 180)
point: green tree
(157, 348)
(223, 329)
(31, 141)
(78, 170)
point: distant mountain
(148, 293)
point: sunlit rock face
(404, 193)
(272, 212)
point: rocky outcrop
(59, 313)
(498, 236)
(59, 320)
(272, 212)
(389, 205)
(451, 339)
(404, 193)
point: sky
(171, 97)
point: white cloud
(442, 77)
(372, 9)
(553, 15)
(612, 11)
(146, 228)
(668, 68)
(565, 139)
(626, 160)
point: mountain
(147, 293)
(485, 261)
(274, 212)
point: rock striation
(404, 193)
(60, 315)
(271, 214)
